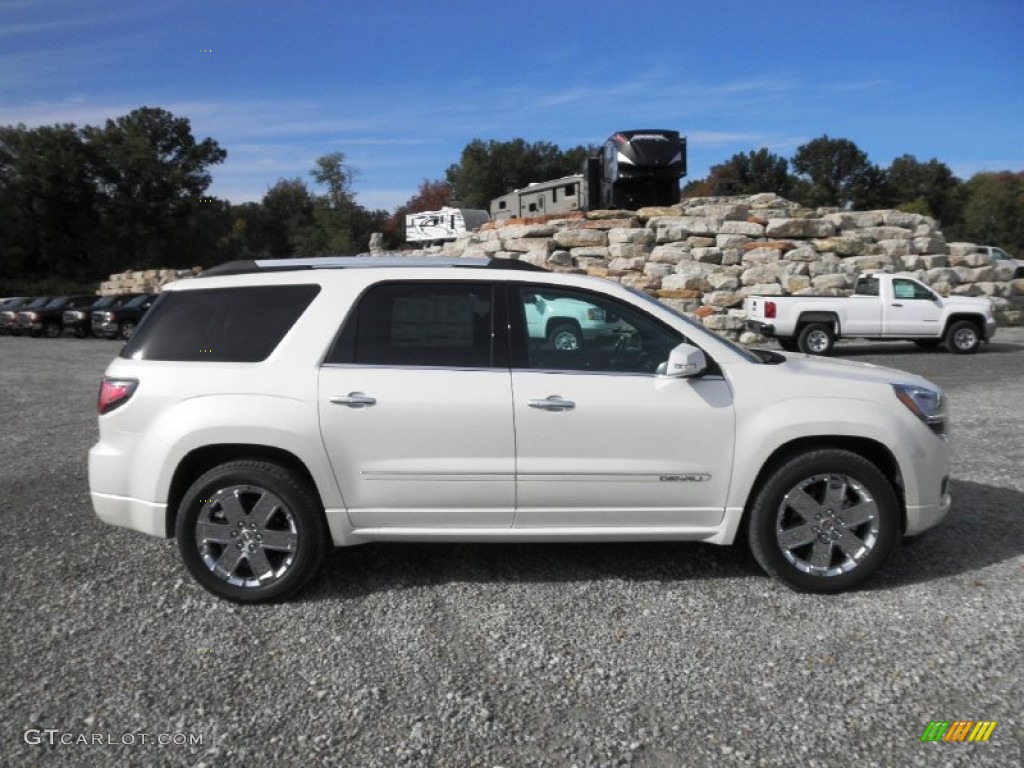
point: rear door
(415, 408)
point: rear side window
(228, 325)
(428, 324)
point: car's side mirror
(683, 361)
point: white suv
(270, 409)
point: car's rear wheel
(824, 521)
(816, 339)
(962, 337)
(127, 330)
(565, 336)
(251, 531)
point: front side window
(420, 324)
(908, 289)
(574, 330)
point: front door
(912, 311)
(601, 440)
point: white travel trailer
(445, 224)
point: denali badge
(684, 478)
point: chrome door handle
(354, 400)
(897, 305)
(553, 403)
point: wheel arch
(977, 320)
(202, 459)
(829, 318)
(872, 450)
(560, 320)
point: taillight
(115, 393)
(769, 309)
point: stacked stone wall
(143, 281)
(706, 255)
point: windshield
(38, 303)
(106, 301)
(137, 301)
(59, 301)
(745, 353)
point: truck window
(908, 289)
(867, 286)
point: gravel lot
(518, 655)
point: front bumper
(107, 328)
(990, 329)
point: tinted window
(220, 325)
(575, 330)
(429, 324)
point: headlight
(929, 405)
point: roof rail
(253, 266)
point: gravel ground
(493, 655)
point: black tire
(829, 484)
(962, 338)
(789, 345)
(81, 333)
(816, 339)
(126, 330)
(565, 336)
(51, 329)
(237, 563)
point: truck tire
(962, 338)
(565, 336)
(816, 339)
(824, 521)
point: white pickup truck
(884, 306)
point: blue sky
(400, 86)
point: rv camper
(445, 224)
(632, 169)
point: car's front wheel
(251, 531)
(127, 330)
(962, 337)
(51, 329)
(824, 521)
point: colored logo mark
(958, 730)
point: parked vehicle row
(111, 317)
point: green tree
(994, 212)
(334, 211)
(47, 203)
(838, 174)
(489, 169)
(151, 174)
(929, 188)
(747, 174)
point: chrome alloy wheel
(965, 338)
(827, 525)
(246, 536)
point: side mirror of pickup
(683, 361)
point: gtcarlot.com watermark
(55, 737)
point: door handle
(553, 403)
(897, 305)
(354, 400)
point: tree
(994, 212)
(334, 212)
(838, 174)
(47, 203)
(151, 174)
(488, 170)
(929, 188)
(748, 174)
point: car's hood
(968, 301)
(850, 370)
